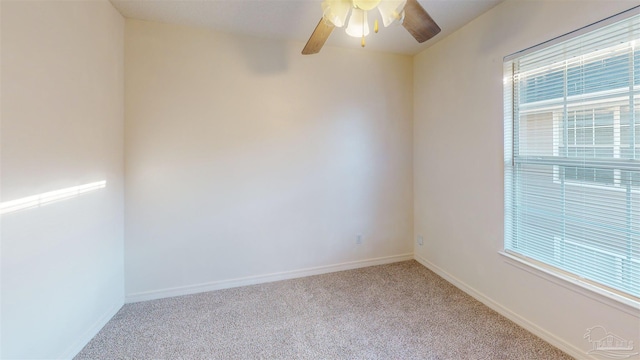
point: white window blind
(572, 154)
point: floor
(395, 311)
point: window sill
(623, 303)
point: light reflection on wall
(47, 198)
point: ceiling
(296, 19)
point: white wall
(245, 158)
(458, 167)
(62, 125)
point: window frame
(602, 292)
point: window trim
(599, 292)
(620, 300)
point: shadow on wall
(264, 56)
(493, 39)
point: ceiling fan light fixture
(358, 25)
(391, 10)
(366, 5)
(413, 17)
(336, 11)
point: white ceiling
(296, 19)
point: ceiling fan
(410, 13)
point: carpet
(394, 311)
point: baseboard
(528, 325)
(93, 330)
(259, 279)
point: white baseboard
(93, 330)
(528, 325)
(258, 279)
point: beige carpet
(396, 311)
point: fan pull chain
(375, 26)
(362, 43)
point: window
(572, 154)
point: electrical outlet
(359, 239)
(420, 240)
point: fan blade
(318, 38)
(418, 22)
